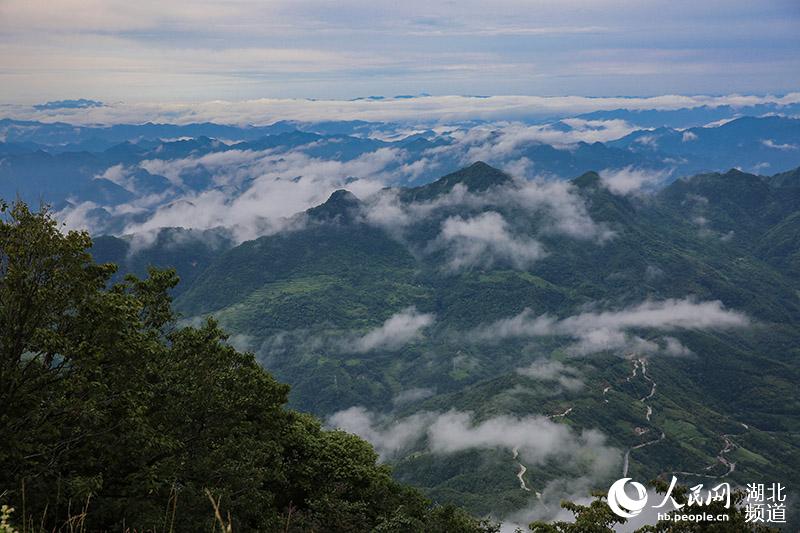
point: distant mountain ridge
(304, 300)
(117, 177)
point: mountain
(189, 252)
(758, 144)
(661, 328)
(690, 117)
(127, 174)
(477, 177)
(342, 206)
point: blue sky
(199, 50)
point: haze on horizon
(151, 51)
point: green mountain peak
(587, 180)
(342, 205)
(477, 177)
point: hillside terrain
(505, 343)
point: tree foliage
(113, 415)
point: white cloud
(387, 441)
(398, 330)
(504, 140)
(651, 141)
(79, 216)
(547, 370)
(257, 192)
(434, 109)
(484, 240)
(607, 330)
(119, 175)
(674, 347)
(787, 147)
(630, 180)
(537, 438)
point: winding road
(522, 468)
(729, 445)
(721, 459)
(640, 362)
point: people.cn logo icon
(621, 503)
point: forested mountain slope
(600, 332)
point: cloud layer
(537, 438)
(485, 239)
(398, 330)
(424, 110)
(608, 330)
(546, 370)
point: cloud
(425, 110)
(607, 330)
(387, 441)
(484, 240)
(548, 507)
(583, 457)
(504, 140)
(546, 370)
(630, 180)
(255, 193)
(688, 136)
(69, 104)
(398, 330)
(202, 50)
(79, 216)
(537, 438)
(769, 143)
(673, 346)
(564, 210)
(412, 395)
(651, 141)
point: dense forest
(114, 419)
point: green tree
(596, 517)
(113, 417)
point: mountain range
(129, 178)
(505, 342)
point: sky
(201, 50)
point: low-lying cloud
(484, 240)
(631, 180)
(537, 438)
(597, 331)
(547, 370)
(435, 109)
(398, 330)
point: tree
(115, 418)
(597, 517)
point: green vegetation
(113, 418)
(295, 298)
